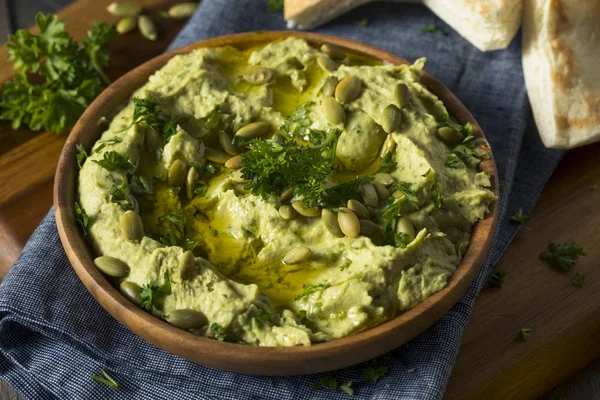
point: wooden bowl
(243, 358)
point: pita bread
(561, 56)
(308, 14)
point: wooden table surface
(492, 364)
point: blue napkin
(54, 336)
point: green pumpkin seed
(382, 192)
(187, 265)
(111, 266)
(286, 212)
(348, 89)
(330, 220)
(190, 182)
(401, 95)
(286, 195)
(258, 75)
(403, 225)
(449, 135)
(304, 210)
(124, 8)
(329, 87)
(132, 227)
(234, 162)
(369, 228)
(297, 255)
(359, 209)
(227, 144)
(348, 222)
(327, 64)
(384, 179)
(216, 156)
(186, 319)
(182, 10)
(126, 25)
(368, 194)
(390, 118)
(389, 145)
(177, 173)
(253, 130)
(236, 177)
(333, 111)
(131, 291)
(333, 51)
(147, 27)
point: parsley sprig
(563, 256)
(175, 231)
(113, 161)
(81, 218)
(308, 289)
(152, 295)
(147, 112)
(106, 379)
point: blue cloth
(54, 336)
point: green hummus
(242, 283)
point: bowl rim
(246, 359)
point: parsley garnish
(330, 381)
(363, 22)
(118, 194)
(402, 240)
(297, 126)
(152, 295)
(452, 161)
(106, 142)
(373, 375)
(524, 334)
(303, 316)
(141, 185)
(345, 265)
(106, 379)
(387, 163)
(274, 5)
(113, 161)
(497, 279)
(436, 193)
(467, 150)
(578, 279)
(346, 387)
(146, 111)
(426, 173)
(81, 218)
(82, 155)
(175, 231)
(71, 74)
(519, 217)
(432, 28)
(562, 256)
(388, 217)
(219, 332)
(262, 317)
(308, 289)
(406, 189)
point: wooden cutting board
(492, 364)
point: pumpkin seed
(359, 209)
(401, 95)
(368, 194)
(390, 118)
(227, 144)
(253, 130)
(186, 319)
(286, 212)
(449, 135)
(383, 179)
(304, 210)
(330, 220)
(333, 111)
(182, 10)
(382, 192)
(236, 177)
(190, 182)
(234, 162)
(389, 145)
(333, 51)
(349, 223)
(124, 8)
(131, 291)
(147, 27)
(348, 89)
(126, 25)
(258, 75)
(403, 225)
(111, 266)
(187, 265)
(216, 156)
(132, 227)
(286, 195)
(177, 173)
(153, 140)
(327, 64)
(297, 255)
(329, 87)
(369, 228)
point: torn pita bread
(561, 56)
(487, 24)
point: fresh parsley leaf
(346, 264)
(258, 320)
(519, 217)
(388, 218)
(274, 5)
(452, 161)
(113, 161)
(106, 142)
(81, 218)
(303, 316)
(402, 240)
(219, 332)
(342, 193)
(346, 387)
(118, 194)
(426, 173)
(106, 379)
(152, 295)
(175, 231)
(524, 334)
(436, 193)
(387, 164)
(200, 189)
(406, 189)
(497, 279)
(141, 185)
(562, 256)
(328, 381)
(373, 375)
(432, 28)
(297, 126)
(578, 279)
(467, 150)
(308, 289)
(147, 112)
(82, 155)
(363, 23)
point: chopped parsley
(432, 28)
(578, 279)
(496, 279)
(373, 375)
(346, 387)
(467, 150)
(107, 142)
(106, 379)
(387, 164)
(452, 161)
(219, 333)
(345, 265)
(524, 334)
(363, 22)
(113, 161)
(426, 173)
(82, 155)
(519, 217)
(388, 217)
(175, 231)
(303, 316)
(152, 295)
(81, 218)
(401, 240)
(297, 126)
(436, 193)
(274, 5)
(262, 317)
(563, 256)
(308, 289)
(118, 195)
(147, 112)
(141, 185)
(406, 189)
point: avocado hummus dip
(281, 195)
